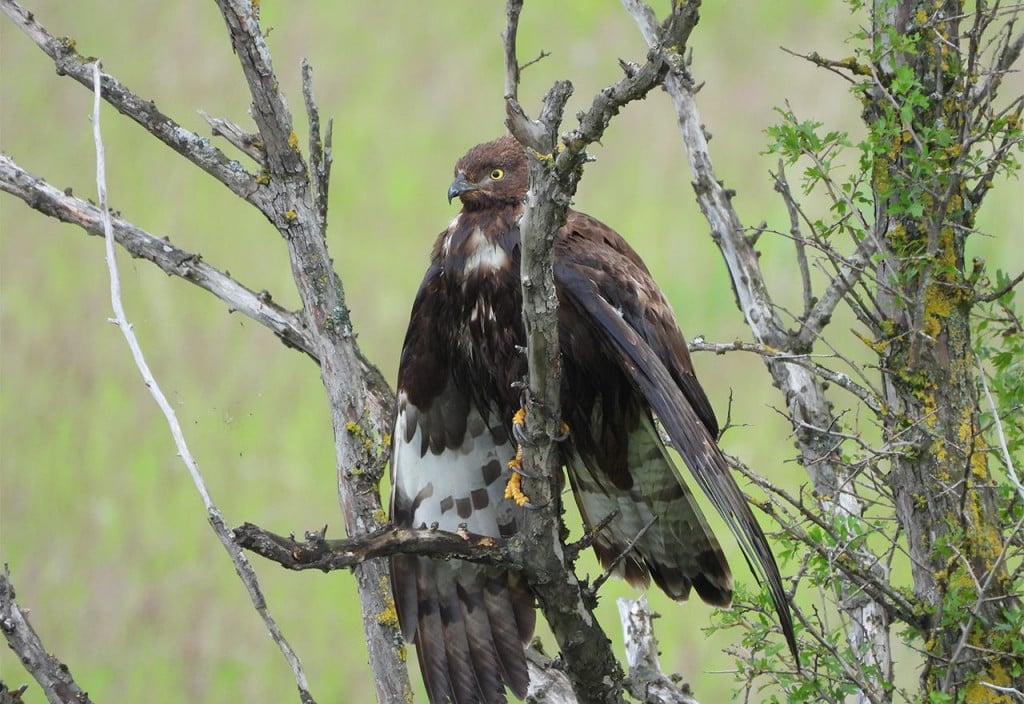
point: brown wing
(469, 622)
(603, 283)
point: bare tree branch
(807, 405)
(196, 149)
(555, 171)
(242, 566)
(583, 644)
(320, 157)
(361, 407)
(318, 553)
(249, 144)
(174, 261)
(797, 235)
(646, 681)
(512, 10)
(52, 675)
(548, 684)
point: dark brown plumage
(624, 363)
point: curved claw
(516, 465)
(519, 434)
(519, 428)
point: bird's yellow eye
(497, 175)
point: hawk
(625, 364)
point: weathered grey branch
(242, 567)
(583, 644)
(249, 144)
(512, 10)
(554, 175)
(647, 683)
(360, 407)
(805, 397)
(53, 676)
(320, 157)
(193, 147)
(174, 261)
(548, 684)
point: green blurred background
(105, 536)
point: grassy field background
(106, 539)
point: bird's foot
(519, 431)
(514, 488)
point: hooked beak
(459, 186)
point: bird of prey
(625, 364)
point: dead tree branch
(172, 260)
(360, 409)
(807, 404)
(556, 166)
(647, 683)
(199, 150)
(318, 553)
(242, 567)
(53, 676)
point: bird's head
(491, 175)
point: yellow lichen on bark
(978, 693)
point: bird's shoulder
(585, 244)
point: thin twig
(1011, 470)
(1002, 290)
(242, 566)
(610, 570)
(865, 395)
(782, 188)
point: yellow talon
(516, 463)
(519, 417)
(514, 491)
(514, 488)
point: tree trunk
(945, 496)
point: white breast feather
(483, 255)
